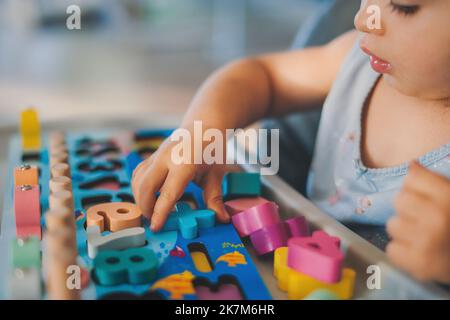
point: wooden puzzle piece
(299, 285)
(61, 200)
(178, 285)
(241, 204)
(133, 266)
(241, 184)
(26, 253)
(56, 139)
(26, 175)
(318, 256)
(255, 218)
(232, 258)
(25, 284)
(60, 183)
(119, 240)
(59, 218)
(60, 264)
(30, 129)
(58, 157)
(60, 169)
(269, 238)
(27, 211)
(227, 288)
(114, 216)
(187, 221)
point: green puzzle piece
(241, 184)
(26, 253)
(133, 266)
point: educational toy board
(193, 258)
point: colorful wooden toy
(26, 253)
(100, 188)
(119, 240)
(269, 238)
(114, 216)
(188, 221)
(318, 256)
(59, 218)
(61, 200)
(27, 211)
(60, 169)
(26, 175)
(60, 263)
(134, 266)
(241, 184)
(255, 218)
(241, 204)
(60, 183)
(299, 285)
(30, 130)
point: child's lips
(378, 64)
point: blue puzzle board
(101, 166)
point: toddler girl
(382, 154)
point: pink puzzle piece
(318, 256)
(27, 211)
(255, 218)
(272, 237)
(238, 205)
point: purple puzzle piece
(269, 238)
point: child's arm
(421, 229)
(234, 97)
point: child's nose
(369, 17)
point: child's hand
(421, 230)
(160, 173)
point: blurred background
(132, 59)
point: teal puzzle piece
(241, 184)
(133, 266)
(26, 253)
(188, 220)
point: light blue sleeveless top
(338, 181)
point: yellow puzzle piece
(299, 285)
(232, 258)
(178, 284)
(30, 130)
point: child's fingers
(212, 192)
(398, 253)
(410, 205)
(170, 193)
(427, 182)
(151, 181)
(401, 230)
(137, 177)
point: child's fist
(421, 229)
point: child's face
(412, 46)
